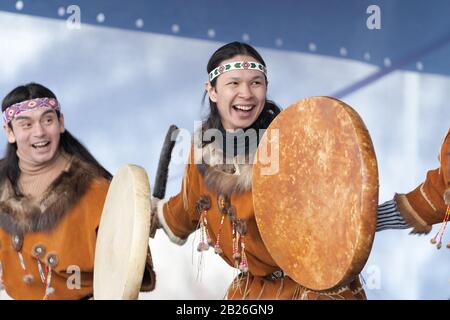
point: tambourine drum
(123, 236)
(317, 212)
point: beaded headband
(237, 65)
(24, 106)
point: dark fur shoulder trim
(20, 215)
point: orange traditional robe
(184, 213)
(57, 234)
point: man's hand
(154, 222)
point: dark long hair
(10, 163)
(228, 51)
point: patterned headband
(237, 65)
(24, 106)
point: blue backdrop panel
(412, 31)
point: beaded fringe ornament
(46, 280)
(239, 230)
(223, 204)
(236, 254)
(202, 207)
(27, 277)
(217, 248)
(236, 240)
(441, 231)
(205, 240)
(49, 290)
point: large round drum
(317, 212)
(123, 236)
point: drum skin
(123, 236)
(317, 214)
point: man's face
(240, 95)
(37, 134)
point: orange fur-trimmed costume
(57, 233)
(217, 198)
(51, 244)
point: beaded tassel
(236, 254)
(243, 266)
(234, 235)
(217, 248)
(41, 271)
(223, 204)
(442, 230)
(202, 207)
(49, 290)
(241, 230)
(27, 277)
(204, 235)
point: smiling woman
(51, 199)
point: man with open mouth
(52, 192)
(216, 191)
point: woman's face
(37, 134)
(240, 95)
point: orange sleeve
(178, 215)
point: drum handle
(159, 188)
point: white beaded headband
(237, 65)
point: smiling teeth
(245, 108)
(40, 144)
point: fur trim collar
(222, 173)
(20, 215)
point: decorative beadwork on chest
(45, 269)
(17, 242)
(238, 229)
(202, 206)
(223, 203)
(38, 251)
(52, 260)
